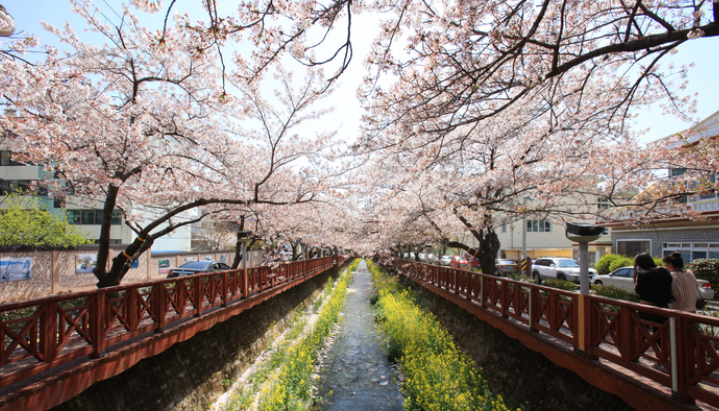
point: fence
(600, 328)
(42, 334)
(54, 271)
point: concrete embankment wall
(524, 377)
(189, 376)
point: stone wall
(526, 378)
(188, 376)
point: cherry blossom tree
(137, 123)
(506, 100)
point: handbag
(701, 303)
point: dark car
(197, 267)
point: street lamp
(243, 237)
(583, 234)
(7, 24)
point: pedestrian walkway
(356, 374)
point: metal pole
(524, 231)
(584, 268)
(244, 255)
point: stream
(356, 374)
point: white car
(446, 260)
(623, 278)
(564, 269)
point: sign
(15, 268)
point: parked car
(446, 260)
(623, 278)
(558, 268)
(197, 267)
(432, 258)
(458, 262)
(505, 267)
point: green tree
(24, 223)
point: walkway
(355, 372)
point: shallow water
(355, 373)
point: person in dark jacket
(653, 285)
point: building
(86, 214)
(693, 239)
(545, 238)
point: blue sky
(702, 79)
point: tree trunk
(103, 253)
(486, 252)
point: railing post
(626, 331)
(97, 320)
(199, 295)
(503, 297)
(586, 328)
(225, 287)
(246, 282)
(481, 290)
(469, 285)
(131, 310)
(48, 330)
(160, 306)
(532, 309)
(683, 358)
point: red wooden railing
(44, 333)
(685, 345)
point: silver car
(623, 278)
(564, 269)
(505, 267)
(446, 260)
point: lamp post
(583, 234)
(243, 237)
(7, 24)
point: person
(653, 285)
(684, 284)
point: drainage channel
(356, 374)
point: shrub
(605, 262)
(707, 269)
(560, 284)
(520, 277)
(611, 291)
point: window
(710, 196)
(111, 241)
(116, 218)
(633, 247)
(92, 217)
(87, 217)
(692, 251)
(73, 216)
(625, 272)
(602, 204)
(58, 202)
(504, 227)
(539, 226)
